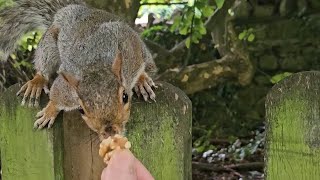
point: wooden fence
(160, 134)
(293, 131)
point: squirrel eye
(81, 111)
(125, 98)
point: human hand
(124, 166)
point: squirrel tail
(25, 16)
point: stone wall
(287, 39)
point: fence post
(293, 128)
(160, 134)
(25, 153)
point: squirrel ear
(70, 79)
(116, 66)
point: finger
(38, 122)
(120, 166)
(38, 94)
(24, 87)
(151, 83)
(136, 89)
(51, 122)
(143, 92)
(44, 123)
(32, 95)
(152, 95)
(141, 171)
(26, 94)
(46, 89)
(40, 113)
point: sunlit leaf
(251, 37)
(278, 77)
(188, 42)
(242, 35)
(219, 3)
(191, 3)
(230, 11)
(197, 13)
(207, 11)
(184, 30)
(203, 30)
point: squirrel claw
(46, 116)
(32, 90)
(144, 87)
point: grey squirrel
(98, 60)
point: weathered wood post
(160, 134)
(293, 130)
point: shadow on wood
(160, 134)
(293, 130)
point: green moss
(165, 157)
(25, 153)
(289, 156)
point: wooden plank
(25, 153)
(293, 132)
(160, 134)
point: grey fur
(25, 16)
(83, 43)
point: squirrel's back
(25, 16)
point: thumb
(121, 167)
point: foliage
(4, 3)
(191, 22)
(247, 35)
(278, 77)
(237, 150)
(19, 67)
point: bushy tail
(25, 16)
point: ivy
(191, 23)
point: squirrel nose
(107, 131)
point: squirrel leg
(32, 89)
(144, 87)
(47, 60)
(112, 143)
(61, 98)
(47, 116)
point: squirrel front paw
(33, 89)
(144, 87)
(46, 116)
(107, 146)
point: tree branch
(166, 4)
(228, 168)
(198, 77)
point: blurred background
(225, 55)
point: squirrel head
(104, 99)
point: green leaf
(251, 37)
(188, 42)
(219, 3)
(242, 35)
(278, 77)
(207, 11)
(184, 30)
(197, 13)
(202, 30)
(175, 24)
(191, 2)
(231, 12)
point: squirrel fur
(97, 60)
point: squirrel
(95, 60)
